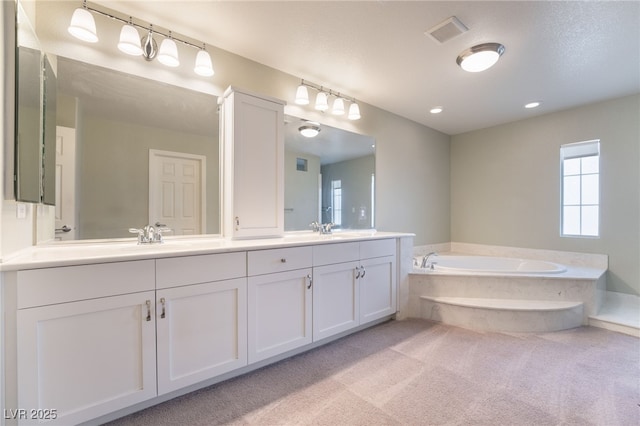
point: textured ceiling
(564, 54)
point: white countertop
(82, 253)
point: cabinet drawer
(377, 248)
(278, 260)
(327, 254)
(186, 270)
(38, 287)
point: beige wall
(505, 185)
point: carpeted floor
(417, 372)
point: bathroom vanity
(94, 330)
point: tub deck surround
(81, 253)
(514, 302)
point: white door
(336, 299)
(279, 313)
(177, 191)
(89, 358)
(377, 288)
(202, 332)
(65, 209)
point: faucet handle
(139, 232)
(159, 231)
(315, 226)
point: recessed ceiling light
(532, 105)
(436, 110)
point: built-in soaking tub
(488, 265)
(502, 293)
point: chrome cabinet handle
(364, 271)
(310, 281)
(148, 310)
(162, 302)
(357, 272)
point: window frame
(579, 150)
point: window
(580, 163)
(336, 201)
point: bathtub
(460, 264)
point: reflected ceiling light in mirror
(354, 112)
(436, 110)
(203, 67)
(302, 95)
(321, 101)
(130, 40)
(309, 130)
(481, 57)
(168, 53)
(83, 26)
(532, 105)
(338, 106)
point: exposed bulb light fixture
(83, 27)
(309, 130)
(130, 40)
(481, 57)
(203, 67)
(322, 100)
(302, 95)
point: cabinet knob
(283, 260)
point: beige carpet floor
(417, 372)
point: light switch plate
(21, 211)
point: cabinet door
(377, 288)
(254, 144)
(336, 302)
(88, 358)
(201, 332)
(279, 313)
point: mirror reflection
(328, 178)
(143, 152)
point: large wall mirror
(329, 178)
(129, 133)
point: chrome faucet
(322, 228)
(150, 234)
(425, 260)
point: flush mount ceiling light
(322, 100)
(309, 130)
(481, 57)
(83, 27)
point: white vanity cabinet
(201, 314)
(354, 283)
(252, 136)
(85, 341)
(279, 301)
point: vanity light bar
(302, 98)
(203, 61)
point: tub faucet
(425, 260)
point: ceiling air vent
(446, 30)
